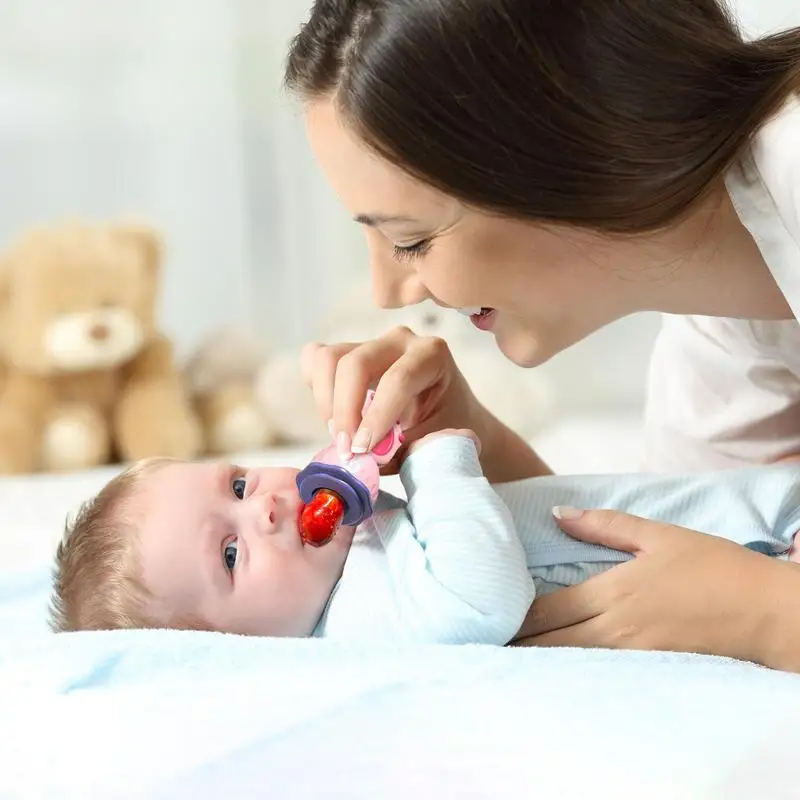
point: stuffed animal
(248, 399)
(89, 378)
(282, 393)
(220, 375)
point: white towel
(173, 714)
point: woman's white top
(726, 392)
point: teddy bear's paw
(241, 429)
(171, 436)
(184, 439)
(16, 462)
(74, 438)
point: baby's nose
(264, 509)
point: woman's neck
(718, 270)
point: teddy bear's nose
(99, 332)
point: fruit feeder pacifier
(340, 490)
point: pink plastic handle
(384, 451)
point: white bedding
(166, 714)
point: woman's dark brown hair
(616, 115)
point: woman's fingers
(319, 364)
(307, 355)
(357, 371)
(584, 634)
(409, 373)
(415, 380)
(613, 529)
(572, 605)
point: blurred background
(172, 110)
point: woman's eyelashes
(411, 251)
(230, 554)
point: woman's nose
(395, 285)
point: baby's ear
(145, 240)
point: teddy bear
(89, 378)
(220, 377)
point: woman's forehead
(368, 185)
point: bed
(171, 714)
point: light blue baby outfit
(461, 561)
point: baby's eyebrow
(224, 477)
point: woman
(553, 167)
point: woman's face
(547, 286)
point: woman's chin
(524, 350)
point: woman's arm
(506, 456)
(684, 591)
(778, 645)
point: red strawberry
(321, 517)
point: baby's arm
(459, 568)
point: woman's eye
(238, 487)
(230, 553)
(411, 251)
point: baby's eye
(238, 487)
(230, 554)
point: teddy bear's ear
(145, 240)
(5, 281)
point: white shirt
(726, 392)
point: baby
(203, 546)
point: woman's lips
(484, 319)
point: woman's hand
(417, 382)
(683, 591)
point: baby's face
(222, 543)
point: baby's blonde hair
(97, 584)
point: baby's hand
(446, 432)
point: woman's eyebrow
(373, 220)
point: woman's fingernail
(343, 445)
(361, 441)
(567, 512)
(331, 429)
